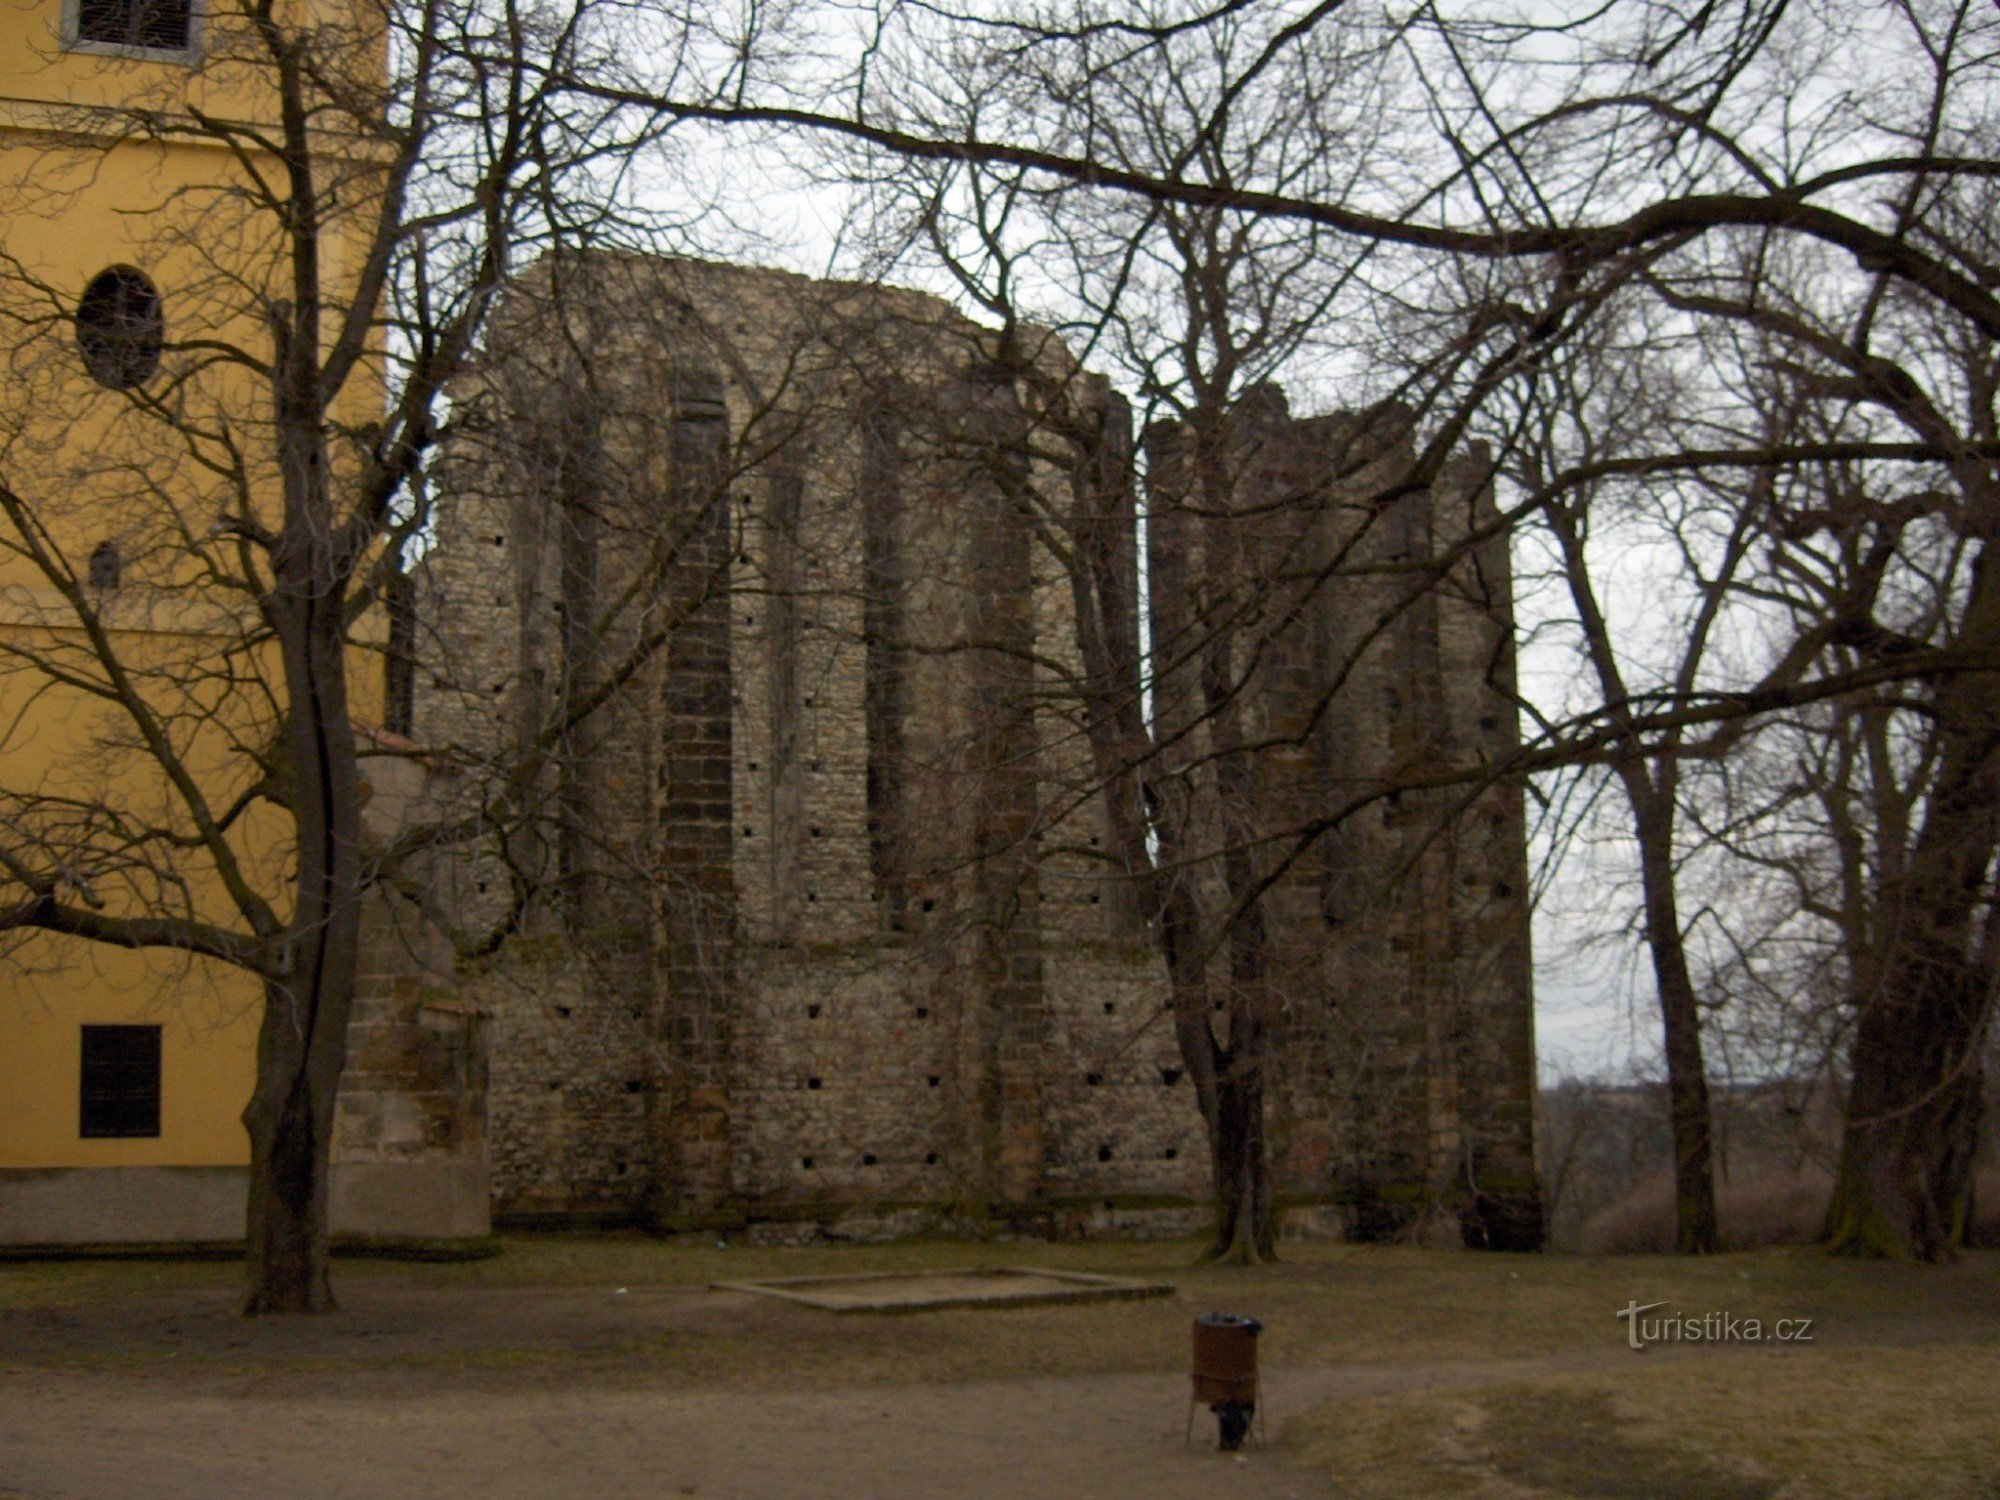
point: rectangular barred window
(152, 25)
(121, 1082)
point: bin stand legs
(1257, 1428)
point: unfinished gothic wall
(1367, 629)
(747, 567)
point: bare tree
(1595, 404)
(1538, 169)
(1671, 163)
(384, 170)
(1194, 307)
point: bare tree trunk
(1904, 1186)
(1148, 814)
(1229, 1091)
(1653, 790)
(290, 1139)
(1696, 1230)
(1243, 1227)
(302, 1044)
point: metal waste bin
(1225, 1373)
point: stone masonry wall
(409, 1138)
(745, 565)
(1368, 655)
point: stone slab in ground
(921, 1291)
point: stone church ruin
(803, 918)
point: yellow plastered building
(136, 249)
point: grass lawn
(1869, 1423)
(1322, 1304)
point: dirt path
(1074, 1438)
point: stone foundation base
(69, 1208)
(415, 1200)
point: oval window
(119, 328)
(104, 567)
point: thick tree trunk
(1245, 1232)
(1244, 1227)
(1904, 1189)
(302, 1044)
(290, 1144)
(1696, 1228)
